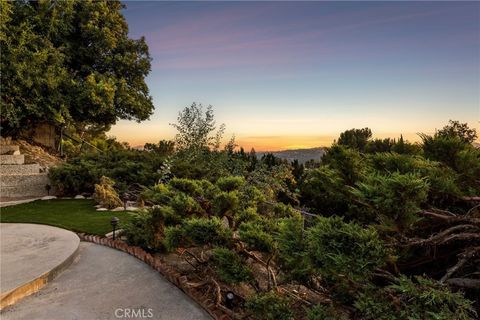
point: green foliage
(174, 237)
(281, 210)
(190, 187)
(468, 166)
(106, 195)
(125, 166)
(392, 200)
(269, 306)
(292, 246)
(355, 138)
(185, 205)
(420, 298)
(274, 182)
(460, 130)
(197, 231)
(226, 203)
(443, 148)
(158, 194)
(452, 146)
(246, 215)
(321, 312)
(140, 230)
(74, 178)
(338, 249)
(71, 62)
(229, 266)
(230, 183)
(163, 147)
(196, 129)
(323, 190)
(348, 162)
(256, 237)
(442, 180)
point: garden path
(103, 283)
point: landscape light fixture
(114, 223)
(48, 188)
(229, 298)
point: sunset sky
(285, 75)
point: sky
(285, 75)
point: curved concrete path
(32, 255)
(103, 283)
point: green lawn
(75, 215)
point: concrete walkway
(103, 283)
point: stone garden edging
(169, 273)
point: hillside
(302, 155)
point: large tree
(71, 62)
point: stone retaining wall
(11, 169)
(25, 185)
(12, 159)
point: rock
(132, 208)
(16, 153)
(118, 209)
(79, 196)
(225, 223)
(98, 206)
(117, 233)
(102, 209)
(48, 198)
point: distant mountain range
(302, 155)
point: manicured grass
(75, 215)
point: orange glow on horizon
(273, 143)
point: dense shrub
(229, 266)
(246, 215)
(269, 306)
(391, 200)
(226, 203)
(140, 230)
(348, 162)
(106, 195)
(158, 194)
(185, 205)
(338, 249)
(230, 183)
(197, 231)
(442, 179)
(324, 191)
(254, 235)
(419, 298)
(191, 187)
(321, 312)
(125, 166)
(72, 178)
(292, 253)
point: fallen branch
(450, 219)
(474, 199)
(464, 258)
(441, 237)
(218, 292)
(469, 212)
(464, 283)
